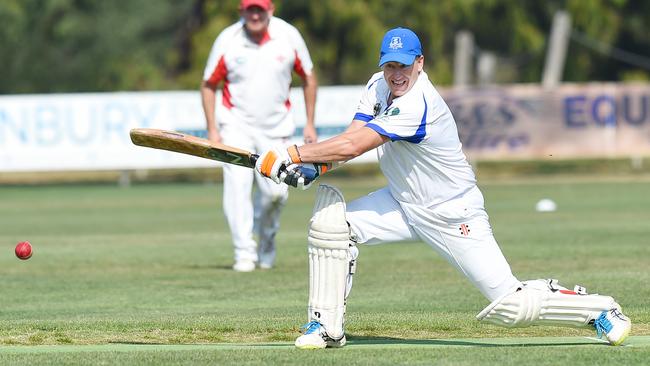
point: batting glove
(273, 163)
(300, 175)
(303, 175)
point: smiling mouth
(399, 83)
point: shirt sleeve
(366, 107)
(213, 71)
(405, 120)
(303, 64)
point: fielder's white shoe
(266, 260)
(244, 265)
(614, 325)
(265, 265)
(315, 337)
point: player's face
(400, 77)
(256, 19)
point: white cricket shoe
(315, 337)
(614, 325)
(244, 265)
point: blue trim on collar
(374, 82)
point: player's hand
(300, 175)
(214, 135)
(273, 163)
(309, 134)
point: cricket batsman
(431, 196)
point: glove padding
(273, 163)
(300, 175)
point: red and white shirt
(257, 77)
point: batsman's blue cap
(400, 45)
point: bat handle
(253, 159)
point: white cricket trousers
(459, 230)
(245, 217)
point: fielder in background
(431, 196)
(255, 58)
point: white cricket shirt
(257, 77)
(423, 161)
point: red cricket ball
(24, 250)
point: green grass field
(141, 275)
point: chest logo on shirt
(392, 112)
(464, 229)
(395, 43)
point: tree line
(87, 45)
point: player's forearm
(338, 148)
(309, 90)
(343, 147)
(208, 101)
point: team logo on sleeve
(395, 43)
(376, 110)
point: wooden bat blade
(191, 145)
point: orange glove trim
(268, 162)
(294, 154)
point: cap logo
(395, 43)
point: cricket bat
(192, 145)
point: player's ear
(420, 63)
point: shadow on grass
(376, 341)
(220, 345)
(210, 266)
(478, 343)
(139, 343)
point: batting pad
(330, 261)
(544, 302)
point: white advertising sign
(91, 131)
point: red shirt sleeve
(219, 73)
(297, 67)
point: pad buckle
(579, 290)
